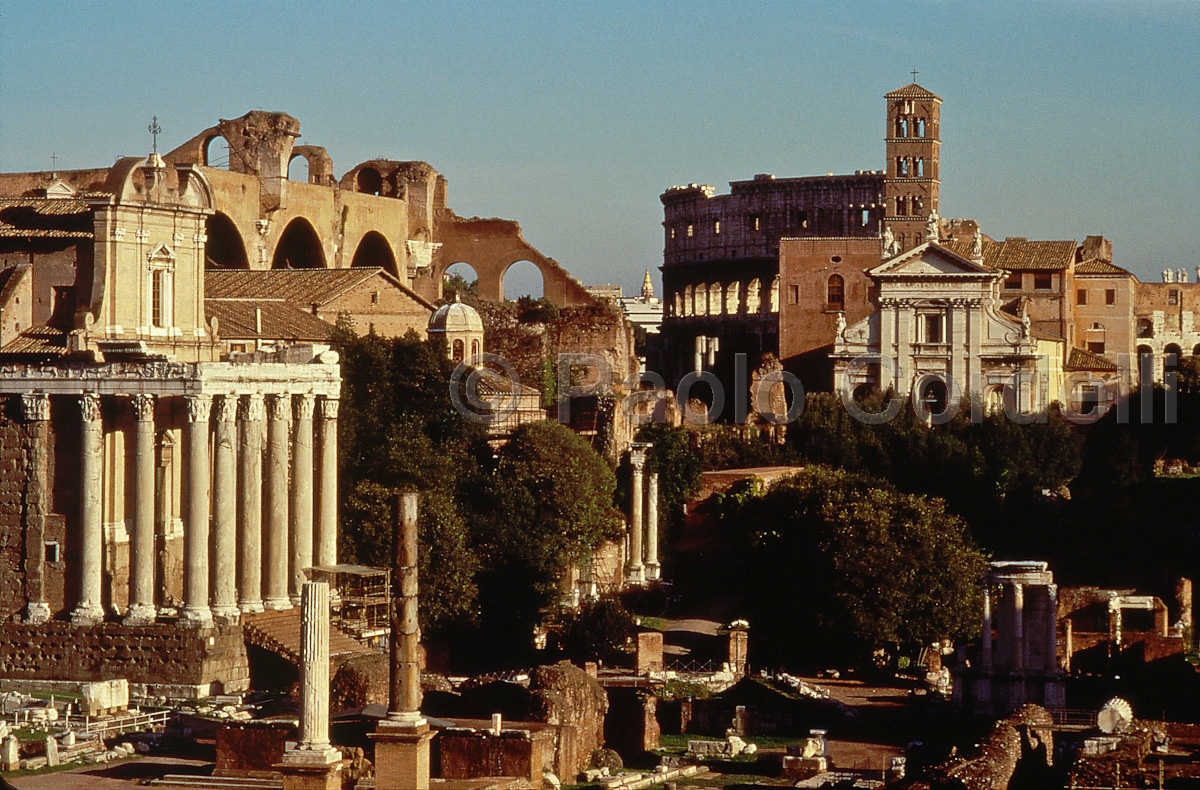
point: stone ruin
(1024, 739)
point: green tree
(836, 563)
(679, 472)
(457, 284)
(549, 502)
(598, 631)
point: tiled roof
(303, 287)
(38, 341)
(60, 218)
(1086, 360)
(1097, 266)
(912, 91)
(1020, 254)
(280, 321)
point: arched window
(920, 170)
(775, 295)
(474, 348)
(732, 303)
(920, 127)
(457, 351)
(678, 303)
(901, 166)
(689, 305)
(901, 207)
(714, 299)
(753, 302)
(701, 299)
(1145, 327)
(835, 293)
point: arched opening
(689, 301)
(715, 307)
(521, 278)
(299, 247)
(835, 293)
(369, 181)
(224, 248)
(375, 251)
(298, 169)
(994, 399)
(1172, 353)
(456, 351)
(460, 278)
(216, 152)
(1196, 351)
(934, 396)
(733, 299)
(863, 392)
(1145, 364)
(753, 302)
(1145, 327)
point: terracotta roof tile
(1086, 360)
(1019, 254)
(38, 341)
(60, 218)
(280, 321)
(1097, 266)
(302, 287)
(912, 91)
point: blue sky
(1060, 119)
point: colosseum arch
(374, 250)
(299, 247)
(224, 248)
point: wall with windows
(1166, 320)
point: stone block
(102, 697)
(51, 751)
(10, 753)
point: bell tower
(910, 184)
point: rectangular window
(1013, 281)
(1096, 347)
(793, 294)
(689, 230)
(374, 297)
(156, 297)
(716, 227)
(757, 223)
(1081, 296)
(1043, 282)
(52, 551)
(933, 329)
(1110, 296)
(1173, 296)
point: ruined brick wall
(252, 749)
(149, 654)
(570, 698)
(470, 753)
(12, 488)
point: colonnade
(643, 564)
(249, 531)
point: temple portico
(176, 459)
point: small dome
(455, 317)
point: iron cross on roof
(915, 73)
(155, 130)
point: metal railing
(118, 726)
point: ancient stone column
(224, 597)
(402, 738)
(250, 489)
(327, 522)
(195, 547)
(1018, 603)
(89, 610)
(653, 569)
(141, 543)
(1052, 628)
(279, 412)
(637, 459)
(405, 675)
(986, 658)
(36, 408)
(302, 495)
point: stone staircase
(279, 632)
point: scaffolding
(363, 598)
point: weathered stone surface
(569, 697)
(360, 680)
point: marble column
(195, 548)
(141, 543)
(314, 748)
(653, 569)
(36, 409)
(250, 487)
(90, 609)
(224, 498)
(1018, 603)
(986, 644)
(637, 459)
(1052, 628)
(275, 568)
(301, 534)
(327, 491)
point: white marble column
(1052, 628)
(250, 487)
(314, 678)
(224, 543)
(637, 495)
(90, 609)
(141, 543)
(404, 679)
(327, 491)
(36, 409)
(302, 495)
(195, 547)
(1018, 603)
(275, 568)
(653, 569)
(986, 658)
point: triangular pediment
(929, 259)
(162, 251)
(60, 189)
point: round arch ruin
(374, 250)
(224, 248)
(299, 247)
